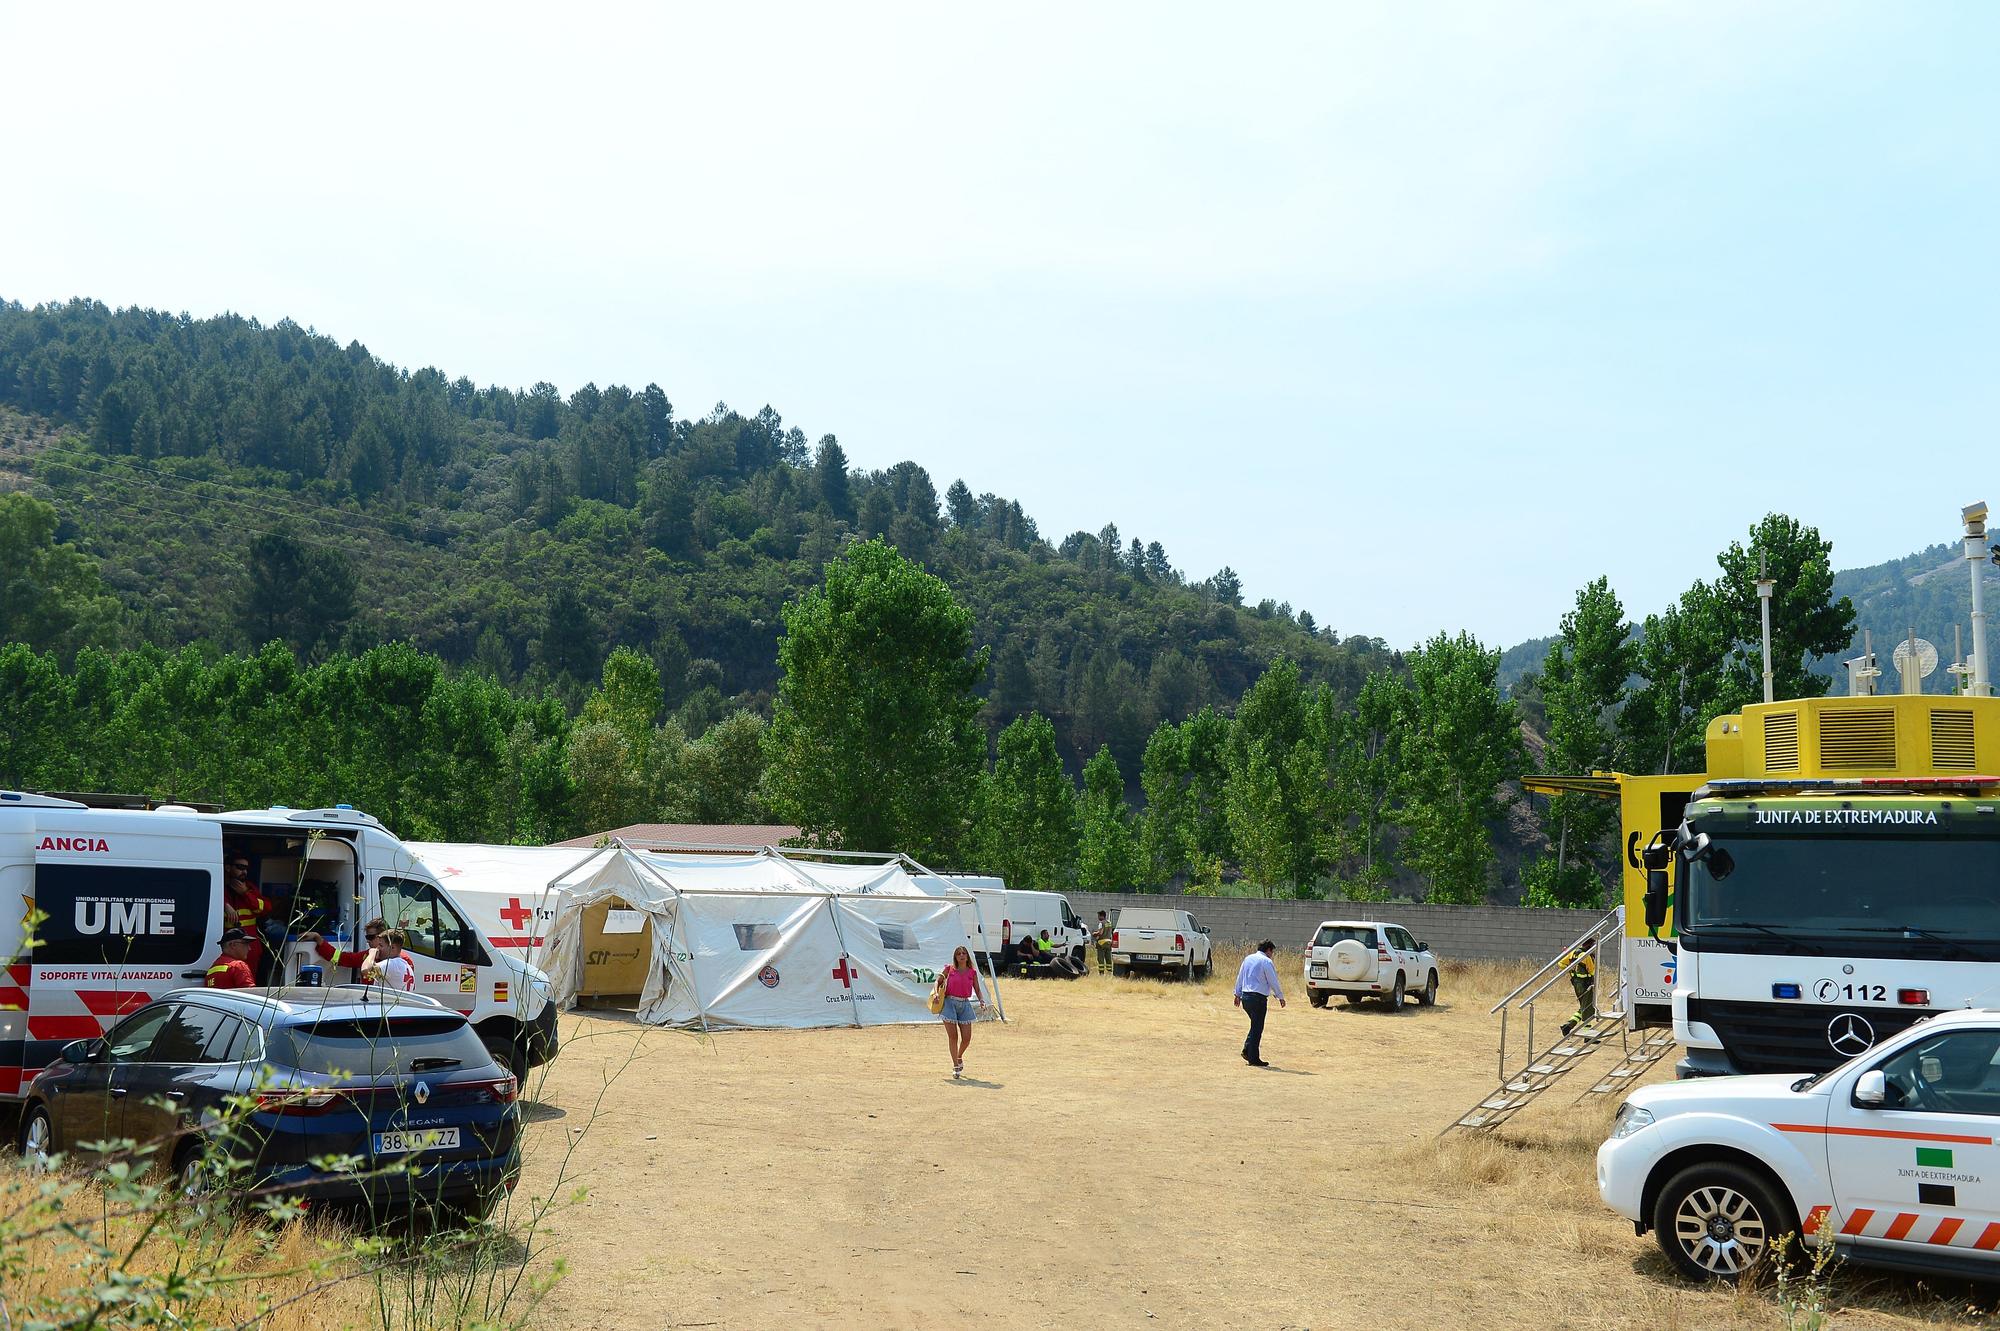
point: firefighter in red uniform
(232, 969)
(245, 907)
(371, 934)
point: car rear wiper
(435, 1061)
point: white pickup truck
(1150, 938)
(1888, 1156)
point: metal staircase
(1639, 1058)
(1546, 1066)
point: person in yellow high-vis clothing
(1101, 936)
(1583, 979)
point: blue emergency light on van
(1786, 989)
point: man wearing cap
(232, 969)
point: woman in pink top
(962, 991)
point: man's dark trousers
(1254, 1006)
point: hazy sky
(1420, 316)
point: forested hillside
(240, 483)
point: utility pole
(1765, 585)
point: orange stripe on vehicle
(1814, 1220)
(1946, 1229)
(1858, 1221)
(1989, 1240)
(1901, 1225)
(11, 1081)
(1823, 1130)
(13, 999)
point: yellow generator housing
(1891, 735)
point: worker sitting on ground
(1582, 964)
(1026, 955)
(1055, 957)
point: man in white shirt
(1256, 985)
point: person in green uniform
(1583, 979)
(1101, 935)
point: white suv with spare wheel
(1360, 959)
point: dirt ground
(1110, 1161)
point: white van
(125, 904)
(984, 915)
(1031, 912)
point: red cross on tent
(515, 913)
(846, 974)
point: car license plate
(405, 1141)
(1149, 956)
(1318, 972)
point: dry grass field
(1110, 1161)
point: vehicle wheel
(38, 1138)
(1429, 994)
(191, 1177)
(508, 1053)
(1714, 1221)
(1396, 994)
(1119, 972)
(1316, 998)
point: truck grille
(1786, 1037)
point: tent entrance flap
(616, 947)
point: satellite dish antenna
(1915, 659)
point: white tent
(768, 938)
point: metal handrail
(1592, 936)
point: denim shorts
(958, 1010)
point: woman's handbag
(937, 996)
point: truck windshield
(1945, 887)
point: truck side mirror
(1872, 1089)
(1656, 898)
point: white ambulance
(1892, 1156)
(104, 909)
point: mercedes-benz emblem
(423, 1092)
(1850, 1034)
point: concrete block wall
(1463, 933)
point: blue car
(347, 1094)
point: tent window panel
(756, 937)
(898, 937)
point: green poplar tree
(1107, 856)
(1462, 740)
(874, 740)
(1027, 831)
(1583, 684)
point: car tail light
(1914, 997)
(297, 1102)
(1114, 938)
(504, 1090)
(1179, 943)
(1381, 952)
